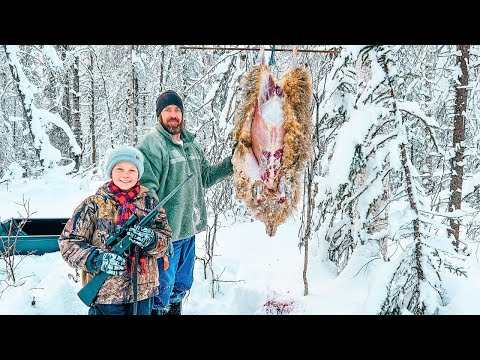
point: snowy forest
(395, 167)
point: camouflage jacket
(91, 224)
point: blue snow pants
(178, 278)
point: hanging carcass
(273, 129)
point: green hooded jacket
(167, 164)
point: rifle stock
(89, 292)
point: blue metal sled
(38, 236)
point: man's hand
(170, 250)
(141, 236)
(111, 263)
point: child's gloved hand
(141, 236)
(111, 263)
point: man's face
(171, 118)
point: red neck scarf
(125, 199)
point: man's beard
(177, 129)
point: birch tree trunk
(76, 125)
(71, 102)
(130, 98)
(25, 100)
(92, 110)
(456, 181)
(378, 211)
(66, 110)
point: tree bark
(26, 103)
(130, 98)
(92, 111)
(76, 125)
(456, 181)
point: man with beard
(171, 154)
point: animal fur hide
(273, 129)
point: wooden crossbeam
(189, 47)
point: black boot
(156, 312)
(174, 309)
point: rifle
(89, 292)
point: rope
(271, 62)
(261, 54)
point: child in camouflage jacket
(82, 241)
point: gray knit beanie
(168, 97)
(124, 153)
